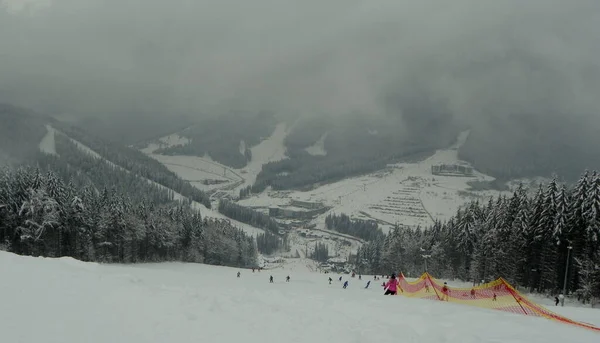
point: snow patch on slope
(197, 170)
(242, 147)
(166, 142)
(318, 149)
(271, 149)
(179, 302)
(47, 145)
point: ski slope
(67, 301)
(47, 144)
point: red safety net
(497, 295)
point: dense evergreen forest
(135, 162)
(356, 145)
(320, 253)
(269, 243)
(523, 239)
(364, 229)
(220, 137)
(248, 216)
(41, 215)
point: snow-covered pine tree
(592, 214)
(578, 226)
(549, 242)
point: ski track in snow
(67, 301)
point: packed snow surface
(63, 300)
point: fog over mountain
(514, 70)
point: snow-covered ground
(196, 169)
(404, 193)
(47, 144)
(63, 300)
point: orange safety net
(497, 295)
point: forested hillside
(20, 133)
(133, 161)
(520, 238)
(248, 216)
(41, 215)
(364, 229)
(82, 169)
(354, 145)
(220, 137)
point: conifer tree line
(269, 243)
(82, 169)
(41, 215)
(132, 160)
(364, 229)
(245, 192)
(321, 252)
(248, 216)
(524, 239)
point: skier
(330, 279)
(391, 286)
(445, 291)
(340, 279)
(287, 279)
(556, 301)
(368, 283)
(345, 284)
(271, 279)
(359, 277)
(238, 274)
(426, 287)
(562, 299)
(494, 298)
(473, 293)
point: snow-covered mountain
(412, 193)
(402, 193)
(26, 134)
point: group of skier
(391, 287)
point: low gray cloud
(474, 59)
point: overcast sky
(475, 58)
